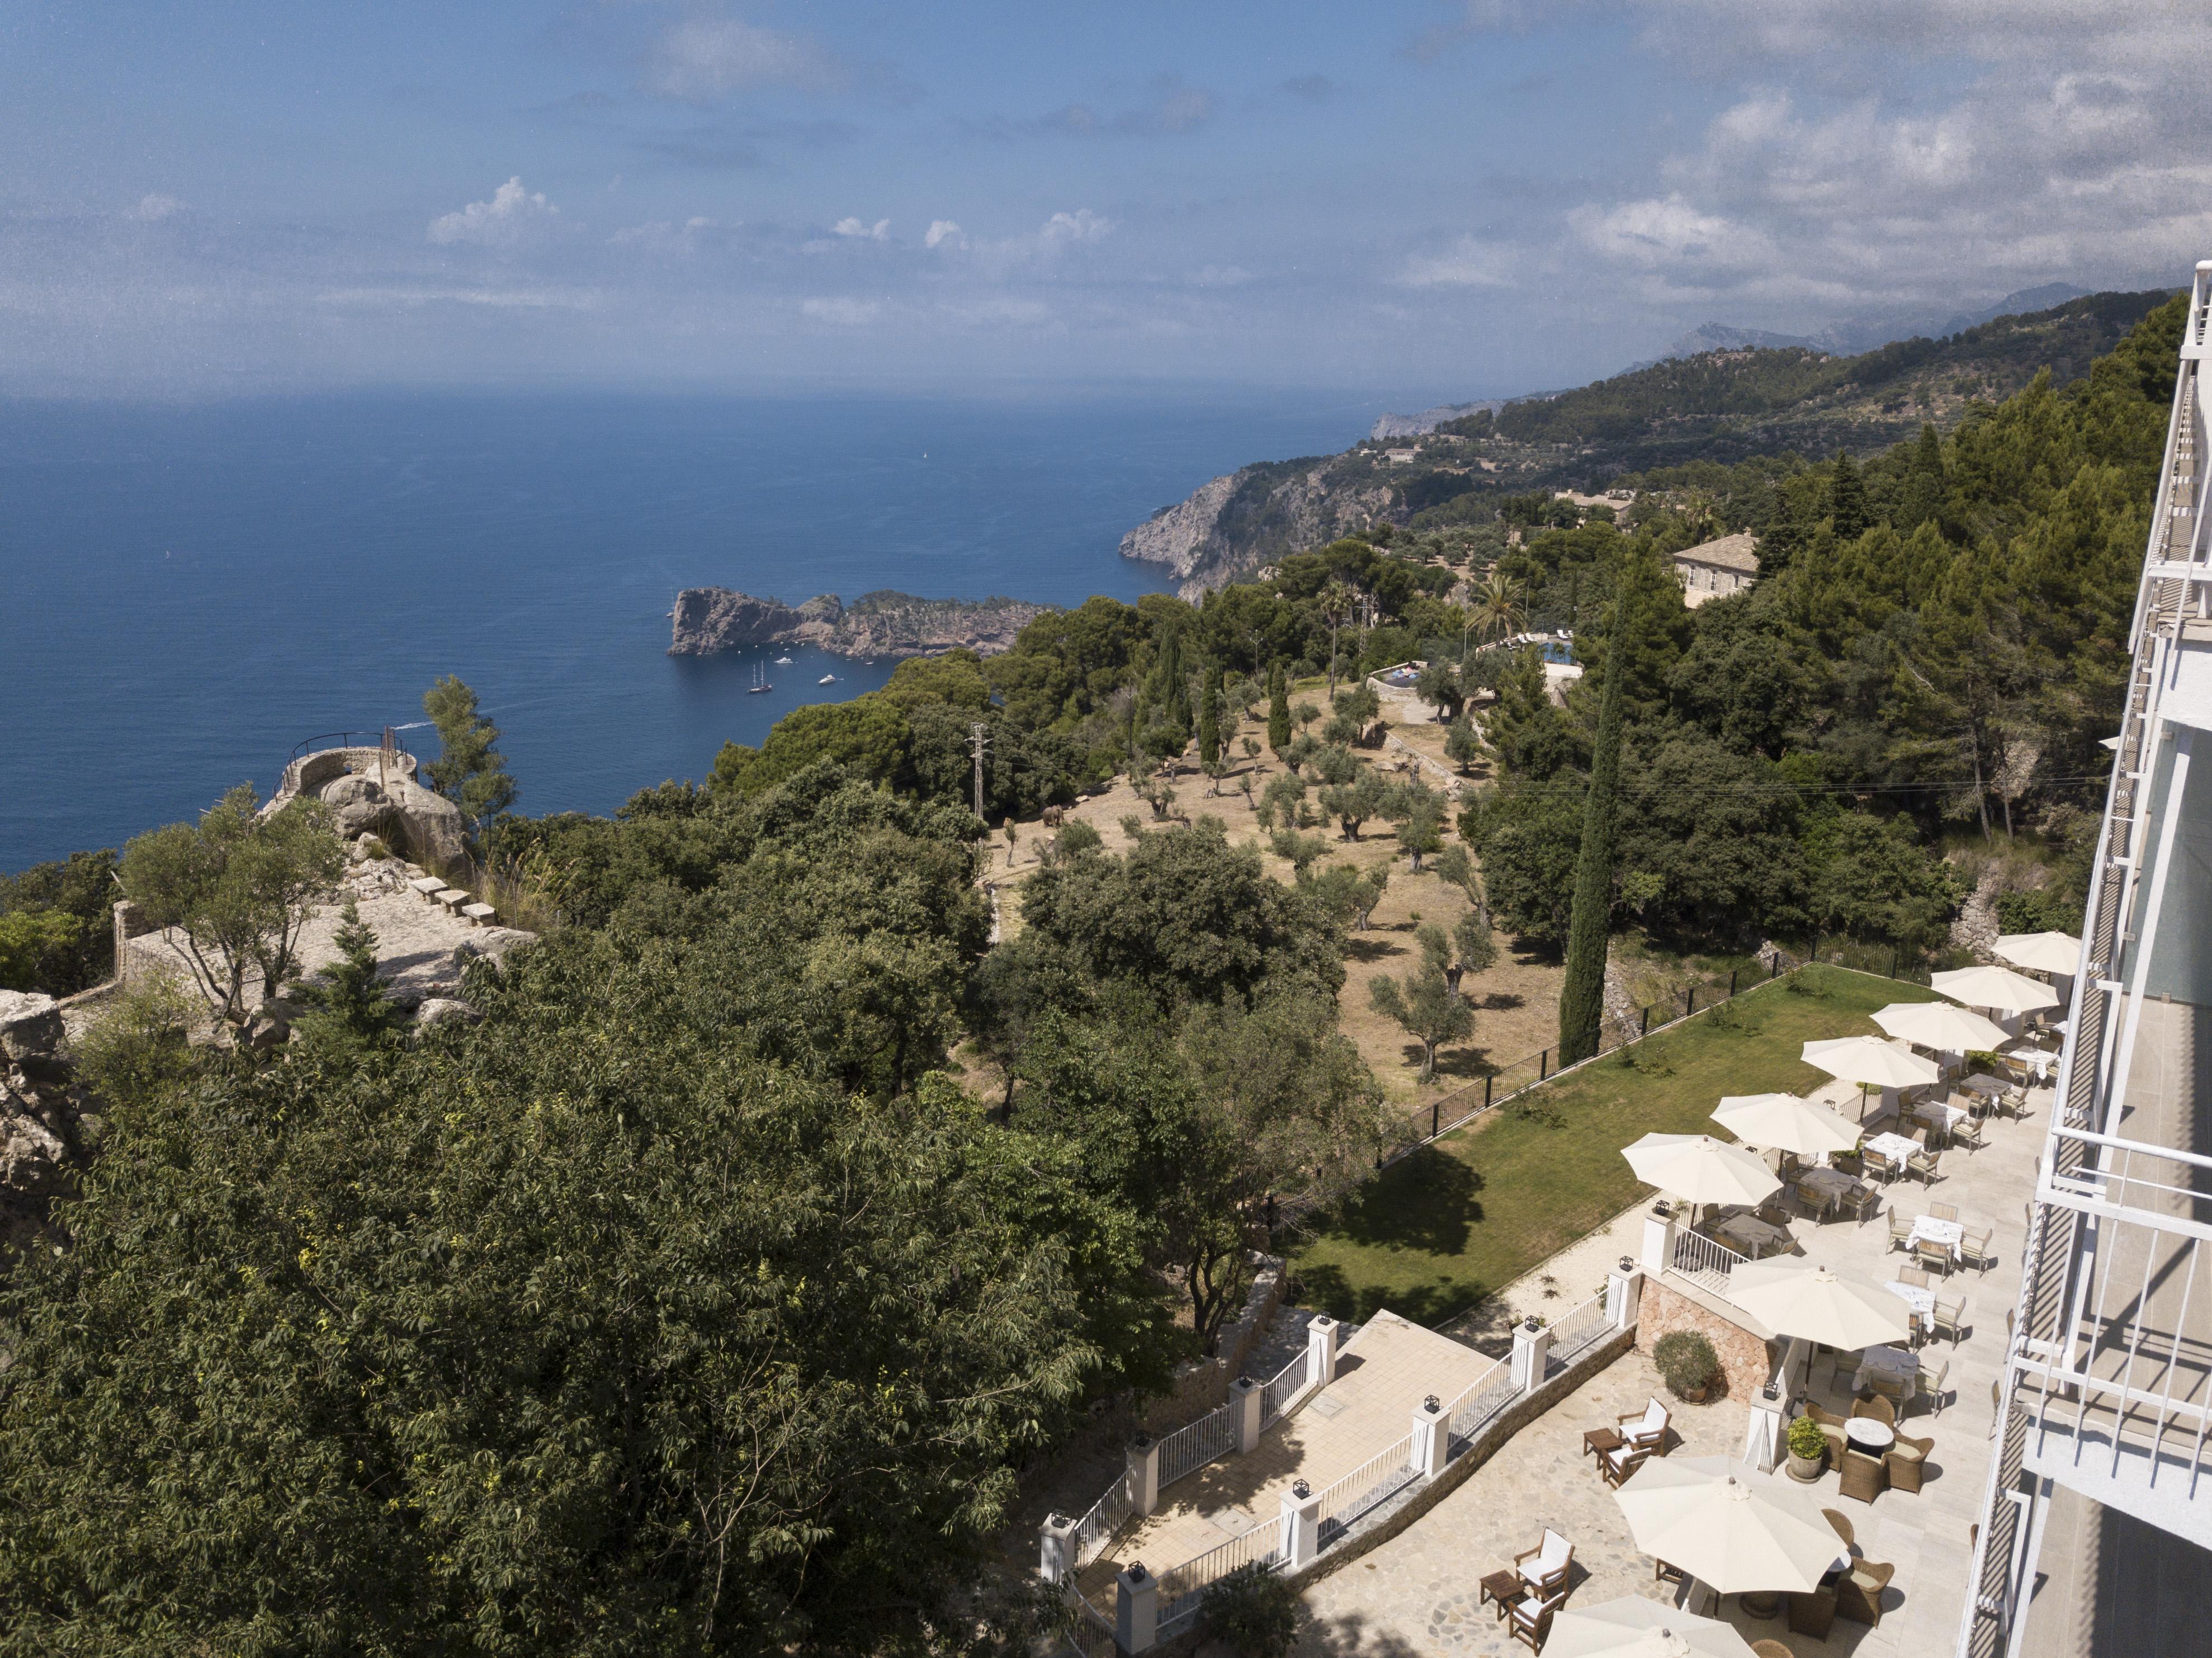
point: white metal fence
(1282, 1388)
(1704, 1263)
(1574, 1333)
(1487, 1394)
(1097, 1528)
(1372, 1482)
(1193, 1447)
(1183, 1591)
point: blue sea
(186, 592)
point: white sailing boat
(760, 682)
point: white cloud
(704, 57)
(511, 215)
(1081, 225)
(663, 233)
(878, 232)
(512, 298)
(1469, 263)
(942, 231)
(841, 312)
(156, 207)
(1667, 231)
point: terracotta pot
(1805, 1469)
(1696, 1395)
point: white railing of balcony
(1705, 1262)
(1574, 1333)
(1192, 1448)
(1096, 1529)
(1372, 1482)
(1282, 1388)
(1183, 1589)
(1481, 1399)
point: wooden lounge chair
(1858, 1594)
(1646, 1429)
(1934, 1256)
(1813, 1614)
(1943, 1211)
(1861, 1477)
(1880, 1409)
(1663, 1573)
(1974, 1251)
(1614, 1467)
(1528, 1620)
(1901, 1463)
(1544, 1568)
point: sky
(1425, 200)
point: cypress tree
(1209, 720)
(1278, 709)
(1847, 500)
(1581, 997)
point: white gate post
(1144, 1473)
(1624, 1292)
(1136, 1609)
(1320, 1352)
(1244, 1401)
(1432, 1436)
(1056, 1549)
(1301, 1535)
(1532, 1349)
(1659, 1238)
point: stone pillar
(1532, 1349)
(1144, 1473)
(1658, 1239)
(1056, 1549)
(128, 925)
(1244, 1402)
(1432, 1436)
(1320, 1352)
(1301, 1535)
(1624, 1293)
(1136, 1609)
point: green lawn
(1437, 1231)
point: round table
(1869, 1435)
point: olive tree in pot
(1808, 1447)
(1688, 1365)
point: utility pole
(978, 739)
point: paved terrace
(1382, 1373)
(1416, 1594)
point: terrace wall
(1743, 1355)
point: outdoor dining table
(1869, 1435)
(1895, 1365)
(1895, 1147)
(2037, 1060)
(1938, 1115)
(1947, 1234)
(1922, 1300)
(1753, 1234)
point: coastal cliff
(885, 623)
(1230, 526)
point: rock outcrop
(30, 1026)
(1229, 526)
(371, 791)
(878, 624)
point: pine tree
(1209, 721)
(351, 1004)
(1581, 997)
(1847, 500)
(1278, 709)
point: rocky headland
(1230, 526)
(885, 623)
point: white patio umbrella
(1999, 987)
(1633, 1627)
(1716, 1519)
(2041, 952)
(1871, 1061)
(1786, 1123)
(1794, 1296)
(1941, 1026)
(1699, 1168)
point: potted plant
(1808, 1449)
(1688, 1363)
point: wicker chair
(1861, 1477)
(1842, 1524)
(1902, 1463)
(1858, 1596)
(1878, 1408)
(1813, 1614)
(1770, 1650)
(1544, 1568)
(1974, 1250)
(1832, 1427)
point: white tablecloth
(2037, 1060)
(1926, 1228)
(1895, 1363)
(1922, 1301)
(1895, 1147)
(1935, 1111)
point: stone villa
(1714, 569)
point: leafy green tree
(868, 735)
(1336, 603)
(1423, 1003)
(1282, 800)
(1463, 744)
(1352, 804)
(1873, 882)
(1528, 836)
(1472, 937)
(1439, 687)
(1847, 500)
(82, 887)
(1278, 709)
(234, 890)
(349, 1004)
(1581, 994)
(470, 770)
(1209, 721)
(34, 946)
(1418, 812)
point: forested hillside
(713, 1293)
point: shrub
(1687, 1362)
(1806, 1439)
(1254, 1612)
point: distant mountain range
(1850, 338)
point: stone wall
(1202, 1384)
(1743, 1355)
